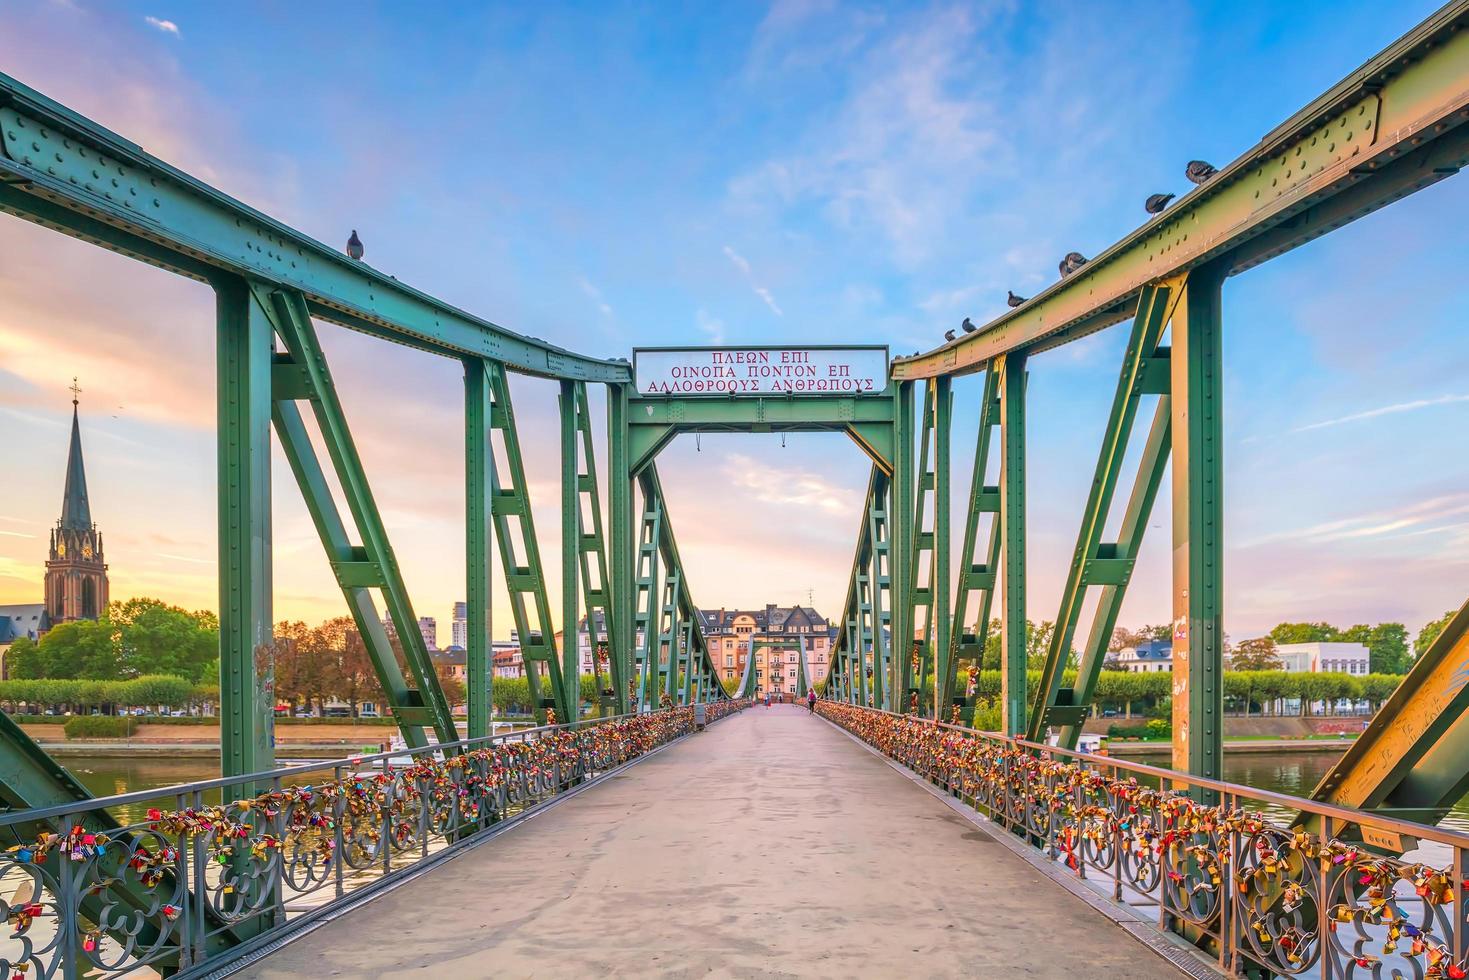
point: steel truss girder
(67, 172)
(1410, 762)
(300, 372)
(1011, 520)
(929, 593)
(1393, 127)
(1109, 565)
(984, 498)
(863, 642)
(665, 611)
(524, 583)
(590, 552)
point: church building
(76, 572)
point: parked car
(336, 712)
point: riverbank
(1251, 747)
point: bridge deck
(714, 856)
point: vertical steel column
(478, 480)
(1012, 540)
(900, 516)
(620, 544)
(939, 628)
(570, 553)
(244, 350)
(1198, 473)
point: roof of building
(76, 512)
(24, 619)
(782, 618)
(1154, 650)
(454, 656)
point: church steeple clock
(76, 574)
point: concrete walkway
(771, 845)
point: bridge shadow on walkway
(771, 845)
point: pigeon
(354, 246)
(1072, 262)
(948, 335)
(1013, 301)
(968, 325)
(1198, 171)
(1156, 203)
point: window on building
(729, 660)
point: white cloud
(1373, 413)
(709, 326)
(743, 264)
(595, 294)
(1432, 514)
(789, 486)
(166, 26)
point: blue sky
(614, 174)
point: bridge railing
(1262, 881)
(167, 879)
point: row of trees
(148, 691)
(1249, 691)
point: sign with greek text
(761, 370)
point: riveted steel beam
(1011, 379)
(1198, 531)
(479, 481)
(1393, 127)
(654, 420)
(244, 350)
(68, 173)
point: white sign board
(761, 371)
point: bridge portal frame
(642, 425)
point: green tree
(1256, 654)
(80, 649)
(1305, 633)
(156, 638)
(1426, 635)
(1386, 643)
(23, 660)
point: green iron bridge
(1355, 880)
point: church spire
(76, 513)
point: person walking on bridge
(811, 701)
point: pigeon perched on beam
(354, 246)
(948, 335)
(1198, 171)
(968, 325)
(1012, 301)
(1156, 203)
(1072, 262)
